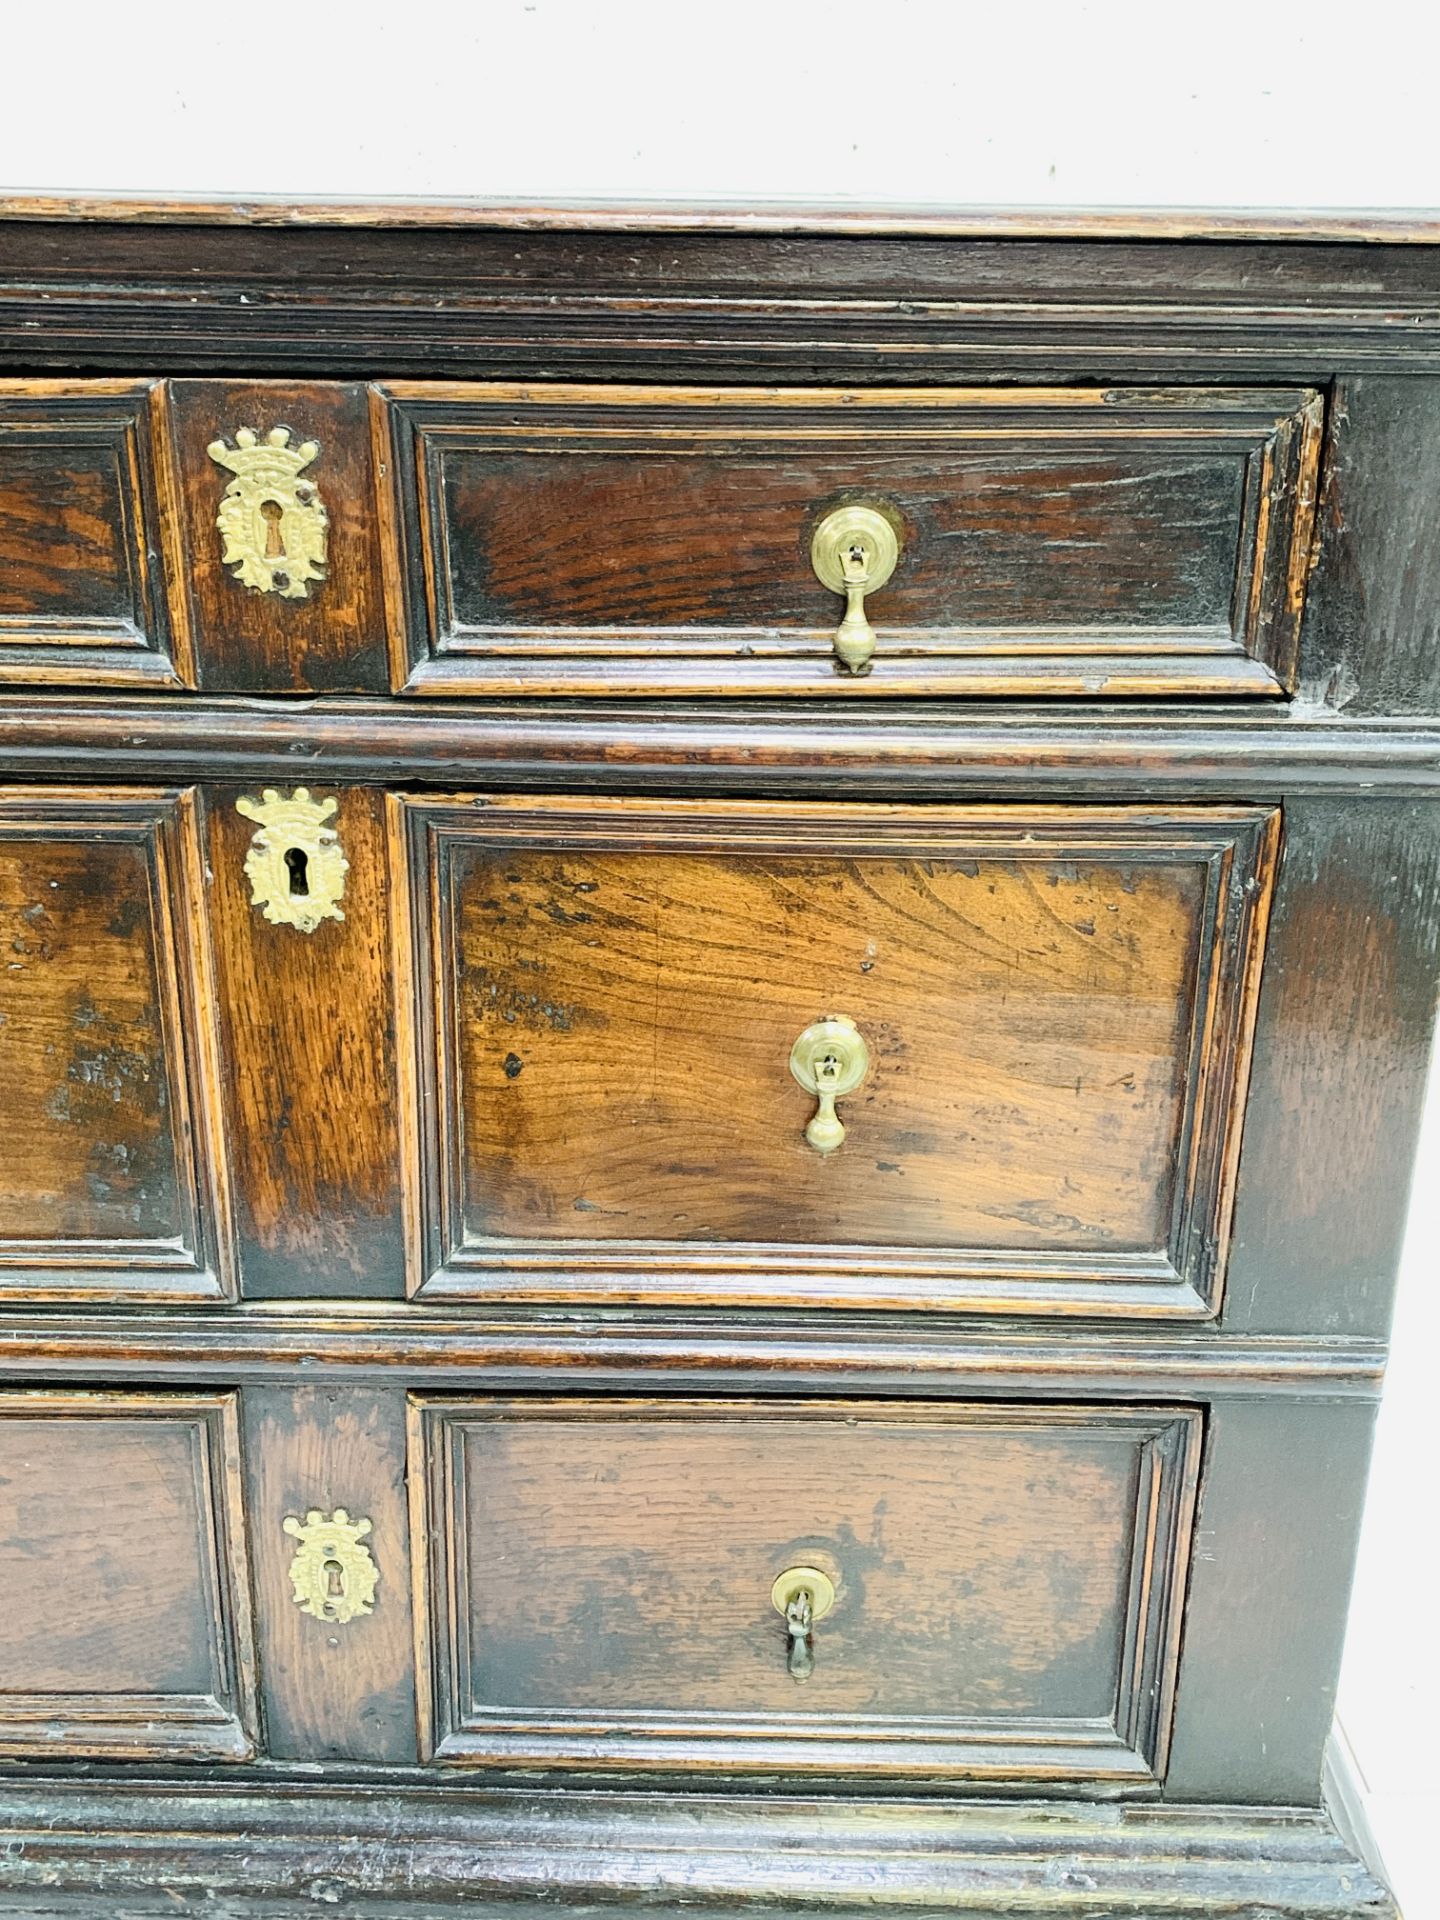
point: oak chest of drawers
(719, 942)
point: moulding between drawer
(420, 1346)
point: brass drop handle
(830, 1059)
(853, 551)
(802, 1595)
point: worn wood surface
(331, 1691)
(115, 1174)
(1342, 1050)
(388, 1852)
(1056, 1003)
(83, 542)
(894, 751)
(251, 211)
(296, 1400)
(386, 1343)
(1275, 1541)
(309, 1074)
(612, 539)
(556, 302)
(125, 1631)
(1372, 637)
(1007, 1584)
(248, 641)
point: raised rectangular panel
(115, 1175)
(125, 1629)
(599, 1585)
(1057, 1003)
(621, 540)
(82, 584)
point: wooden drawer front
(309, 618)
(125, 1630)
(632, 540)
(1057, 1003)
(114, 1185)
(1007, 1585)
(82, 592)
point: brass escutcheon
(332, 1574)
(830, 1059)
(853, 551)
(273, 525)
(295, 866)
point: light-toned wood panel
(332, 1691)
(310, 1077)
(116, 1182)
(1056, 1001)
(1007, 1583)
(125, 1631)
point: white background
(915, 101)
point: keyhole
(273, 514)
(829, 1067)
(857, 560)
(334, 1580)
(297, 865)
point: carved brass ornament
(829, 1060)
(853, 551)
(273, 524)
(295, 866)
(802, 1595)
(332, 1573)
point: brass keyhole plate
(273, 526)
(294, 864)
(332, 1574)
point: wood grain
(108, 503)
(247, 641)
(610, 995)
(708, 306)
(332, 1692)
(126, 1626)
(262, 211)
(923, 752)
(406, 1850)
(1004, 1579)
(310, 1077)
(1342, 1054)
(116, 1182)
(628, 539)
(1275, 1543)
(263, 1344)
(83, 596)
(1372, 638)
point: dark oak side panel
(248, 641)
(598, 1586)
(310, 1082)
(1371, 636)
(116, 1171)
(1342, 1047)
(125, 1626)
(83, 539)
(332, 1692)
(1275, 1540)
